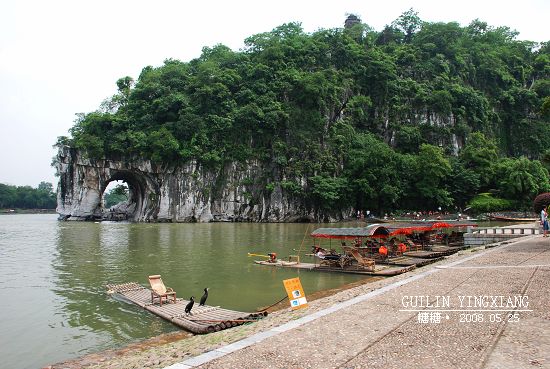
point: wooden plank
(426, 254)
(407, 260)
(203, 319)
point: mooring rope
(281, 300)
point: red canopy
(409, 228)
(388, 229)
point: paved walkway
(391, 327)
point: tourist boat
(368, 240)
(363, 255)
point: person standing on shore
(544, 221)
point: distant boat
(375, 220)
(510, 219)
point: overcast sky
(59, 58)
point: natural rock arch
(185, 192)
(83, 181)
(138, 189)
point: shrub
(486, 203)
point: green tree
(124, 86)
(480, 154)
(463, 183)
(46, 187)
(26, 197)
(432, 169)
(373, 170)
(521, 179)
(408, 139)
(7, 195)
(46, 197)
(116, 195)
(329, 193)
(408, 23)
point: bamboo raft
(438, 252)
(203, 319)
(380, 270)
(407, 260)
(449, 249)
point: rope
(303, 239)
(281, 300)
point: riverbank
(485, 309)
(27, 211)
(166, 349)
(377, 328)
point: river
(53, 276)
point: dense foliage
(418, 115)
(116, 195)
(26, 197)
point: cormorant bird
(189, 306)
(204, 297)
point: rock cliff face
(184, 193)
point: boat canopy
(388, 229)
(423, 226)
(372, 230)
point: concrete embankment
(487, 235)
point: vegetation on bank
(116, 195)
(419, 115)
(20, 199)
(26, 197)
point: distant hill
(418, 115)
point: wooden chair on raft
(159, 290)
(362, 262)
(412, 245)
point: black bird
(189, 306)
(204, 297)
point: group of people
(324, 254)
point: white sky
(61, 57)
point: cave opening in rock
(115, 201)
(122, 197)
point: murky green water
(52, 278)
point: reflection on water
(54, 273)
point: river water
(53, 276)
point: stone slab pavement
(486, 309)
